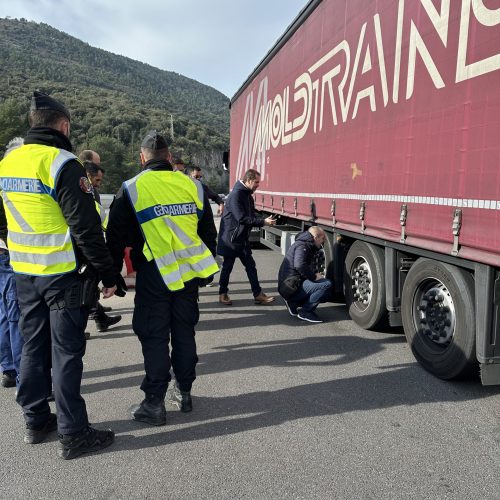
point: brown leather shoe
(224, 299)
(262, 298)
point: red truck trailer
(380, 122)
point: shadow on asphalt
(284, 353)
(115, 332)
(292, 353)
(246, 283)
(301, 351)
(258, 315)
(215, 417)
(391, 386)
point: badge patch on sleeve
(85, 185)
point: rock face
(213, 173)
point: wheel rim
(361, 276)
(434, 312)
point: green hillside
(114, 100)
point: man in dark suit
(237, 221)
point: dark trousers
(162, 317)
(53, 331)
(248, 262)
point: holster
(70, 298)
(83, 292)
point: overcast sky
(217, 42)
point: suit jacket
(237, 221)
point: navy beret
(154, 141)
(44, 101)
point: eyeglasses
(198, 176)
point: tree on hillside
(113, 100)
(13, 121)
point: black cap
(44, 101)
(154, 141)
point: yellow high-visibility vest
(39, 240)
(167, 205)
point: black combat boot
(181, 399)
(104, 321)
(9, 378)
(151, 410)
(35, 435)
(97, 311)
(86, 441)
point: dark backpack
(290, 284)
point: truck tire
(437, 308)
(364, 284)
(334, 268)
(328, 255)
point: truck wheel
(364, 284)
(437, 308)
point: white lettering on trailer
(440, 22)
(396, 198)
(486, 17)
(267, 122)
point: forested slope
(114, 100)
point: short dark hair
(45, 118)
(154, 141)
(155, 154)
(92, 169)
(251, 175)
(188, 170)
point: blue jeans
(311, 294)
(11, 342)
(248, 262)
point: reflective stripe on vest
(102, 215)
(15, 214)
(44, 240)
(39, 239)
(167, 205)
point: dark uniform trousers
(52, 324)
(161, 316)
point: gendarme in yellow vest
(39, 240)
(167, 205)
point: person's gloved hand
(121, 286)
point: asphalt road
(282, 409)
